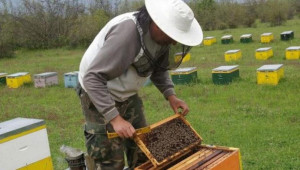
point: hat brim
(156, 9)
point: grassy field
(262, 120)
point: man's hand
(123, 128)
(176, 103)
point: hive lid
(208, 38)
(232, 51)
(184, 70)
(226, 68)
(46, 74)
(18, 74)
(287, 32)
(17, 126)
(72, 73)
(266, 34)
(293, 48)
(3, 74)
(264, 49)
(226, 37)
(168, 140)
(270, 67)
(246, 36)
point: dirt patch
(169, 138)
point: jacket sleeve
(117, 54)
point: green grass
(262, 120)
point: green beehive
(287, 35)
(246, 38)
(184, 75)
(225, 74)
(227, 39)
(3, 78)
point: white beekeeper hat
(176, 19)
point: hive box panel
(207, 41)
(225, 74)
(287, 35)
(292, 53)
(71, 79)
(227, 39)
(178, 57)
(233, 55)
(266, 37)
(193, 155)
(270, 74)
(264, 53)
(3, 78)
(24, 142)
(45, 79)
(246, 38)
(17, 79)
(184, 75)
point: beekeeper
(129, 49)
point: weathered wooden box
(184, 75)
(227, 39)
(266, 37)
(207, 41)
(45, 79)
(225, 74)
(181, 148)
(233, 55)
(287, 35)
(264, 53)
(246, 38)
(17, 79)
(270, 74)
(3, 78)
(71, 79)
(292, 53)
(24, 145)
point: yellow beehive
(178, 57)
(266, 37)
(292, 53)
(18, 79)
(24, 145)
(209, 41)
(232, 55)
(270, 74)
(264, 53)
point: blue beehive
(71, 79)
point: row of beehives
(247, 38)
(266, 74)
(40, 80)
(291, 53)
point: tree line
(42, 24)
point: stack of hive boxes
(184, 75)
(270, 74)
(45, 79)
(207, 41)
(233, 55)
(227, 39)
(71, 79)
(3, 78)
(17, 79)
(292, 53)
(225, 74)
(264, 53)
(266, 37)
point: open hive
(174, 144)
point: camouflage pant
(109, 153)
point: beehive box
(178, 57)
(24, 145)
(292, 53)
(264, 53)
(71, 79)
(207, 41)
(287, 35)
(246, 38)
(45, 79)
(226, 39)
(17, 79)
(225, 74)
(3, 78)
(270, 74)
(174, 144)
(266, 37)
(184, 75)
(233, 55)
